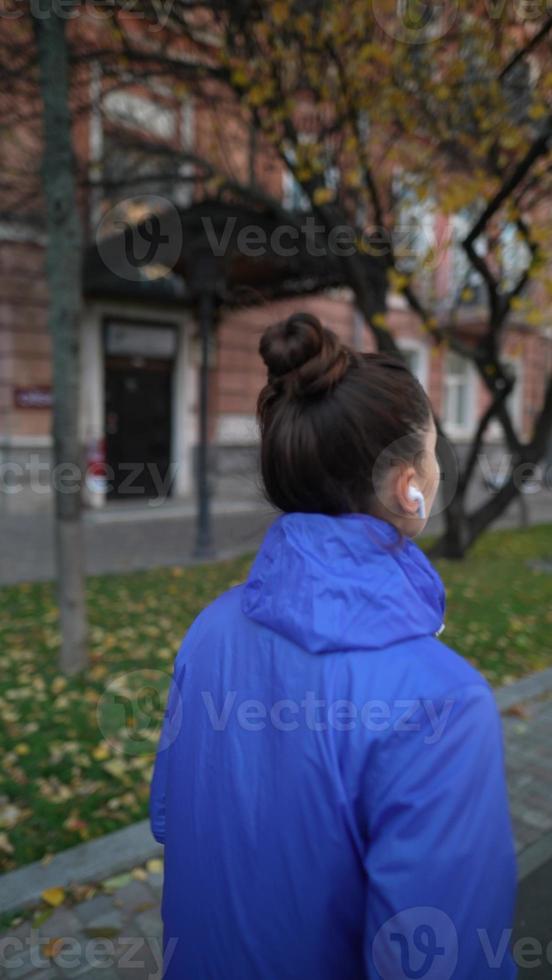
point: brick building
(140, 353)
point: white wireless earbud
(415, 494)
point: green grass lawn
(77, 754)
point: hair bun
(302, 356)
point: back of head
(332, 420)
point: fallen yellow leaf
(116, 768)
(9, 815)
(5, 844)
(53, 947)
(154, 866)
(139, 874)
(53, 896)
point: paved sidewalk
(129, 537)
(116, 932)
(528, 742)
(533, 921)
(130, 540)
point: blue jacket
(329, 784)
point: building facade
(140, 356)
(139, 388)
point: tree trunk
(63, 260)
(463, 529)
(454, 540)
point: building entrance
(138, 425)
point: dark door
(138, 427)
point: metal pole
(204, 540)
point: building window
(515, 256)
(459, 395)
(415, 354)
(140, 114)
(514, 402)
(141, 141)
(414, 232)
(468, 288)
(293, 196)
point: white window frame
(293, 196)
(453, 429)
(184, 193)
(416, 222)
(140, 113)
(516, 256)
(514, 402)
(463, 275)
(408, 344)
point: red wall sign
(35, 396)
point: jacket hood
(342, 583)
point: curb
(540, 852)
(524, 689)
(534, 856)
(184, 511)
(93, 861)
(116, 852)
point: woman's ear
(417, 495)
(406, 481)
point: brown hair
(328, 417)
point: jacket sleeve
(172, 721)
(440, 857)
